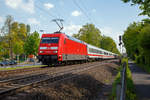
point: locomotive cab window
(50, 40)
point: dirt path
(141, 81)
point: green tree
(14, 37)
(6, 30)
(22, 33)
(144, 42)
(89, 34)
(18, 48)
(136, 39)
(92, 35)
(130, 39)
(19, 35)
(108, 43)
(144, 5)
(32, 43)
(4, 52)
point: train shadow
(81, 87)
(60, 65)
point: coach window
(100, 52)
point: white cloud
(76, 13)
(13, 3)
(48, 6)
(1, 19)
(27, 6)
(72, 29)
(33, 21)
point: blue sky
(111, 16)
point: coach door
(65, 50)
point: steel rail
(35, 73)
(45, 77)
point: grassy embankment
(20, 67)
(130, 89)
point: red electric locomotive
(58, 47)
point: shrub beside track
(129, 87)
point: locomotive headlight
(54, 51)
(43, 47)
(54, 48)
(41, 51)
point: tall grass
(130, 89)
(20, 67)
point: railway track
(21, 72)
(34, 72)
(11, 85)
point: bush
(130, 89)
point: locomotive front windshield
(50, 40)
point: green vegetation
(130, 89)
(92, 35)
(144, 5)
(136, 39)
(32, 41)
(20, 67)
(89, 34)
(14, 39)
(108, 43)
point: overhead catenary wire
(85, 7)
(52, 16)
(60, 16)
(74, 1)
(45, 11)
(57, 12)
